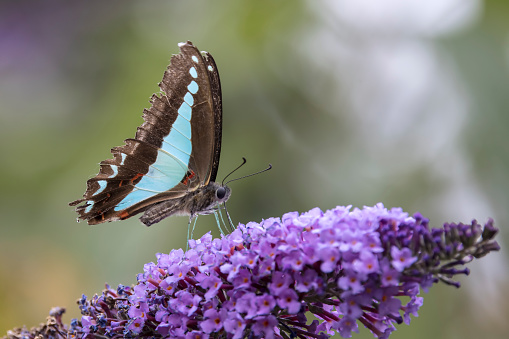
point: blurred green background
(356, 102)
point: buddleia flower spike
(346, 267)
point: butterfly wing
(175, 151)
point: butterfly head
(221, 193)
(207, 200)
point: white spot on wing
(102, 186)
(114, 168)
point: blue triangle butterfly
(169, 168)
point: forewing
(206, 121)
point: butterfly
(170, 166)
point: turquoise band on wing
(172, 160)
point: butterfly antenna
(239, 166)
(249, 175)
(245, 176)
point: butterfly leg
(228, 226)
(230, 222)
(216, 213)
(190, 231)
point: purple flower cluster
(343, 266)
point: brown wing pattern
(118, 177)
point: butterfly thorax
(204, 200)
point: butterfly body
(169, 168)
(202, 201)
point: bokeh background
(356, 102)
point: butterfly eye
(220, 193)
